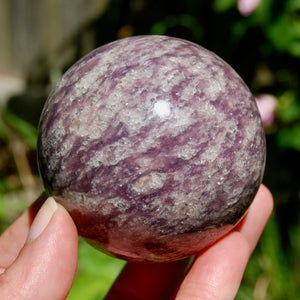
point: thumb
(46, 265)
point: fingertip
(42, 219)
(46, 266)
(257, 216)
(262, 205)
(265, 195)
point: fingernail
(42, 219)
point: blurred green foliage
(96, 272)
(264, 48)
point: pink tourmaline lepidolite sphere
(154, 145)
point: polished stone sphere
(154, 145)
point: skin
(215, 273)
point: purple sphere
(154, 145)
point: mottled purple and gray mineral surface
(154, 145)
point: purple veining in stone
(154, 145)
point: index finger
(14, 237)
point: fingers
(46, 265)
(13, 239)
(258, 214)
(218, 271)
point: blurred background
(39, 40)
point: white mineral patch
(121, 204)
(133, 118)
(187, 151)
(162, 108)
(145, 162)
(149, 183)
(110, 154)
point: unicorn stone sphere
(154, 145)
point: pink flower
(267, 106)
(247, 7)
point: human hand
(44, 268)
(216, 272)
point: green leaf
(27, 131)
(224, 5)
(289, 137)
(284, 32)
(289, 108)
